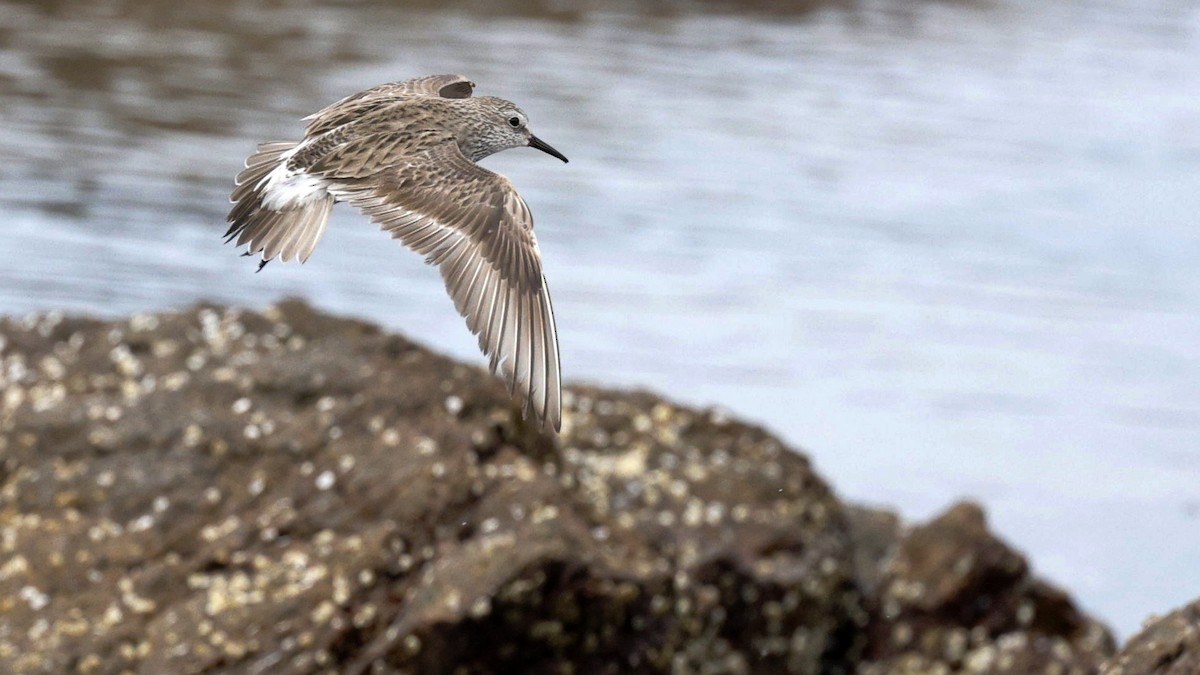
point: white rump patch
(283, 189)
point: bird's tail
(277, 210)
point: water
(950, 250)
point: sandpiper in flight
(404, 153)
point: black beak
(535, 142)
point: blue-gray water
(950, 250)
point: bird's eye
(514, 122)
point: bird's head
(502, 125)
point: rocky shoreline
(224, 490)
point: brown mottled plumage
(404, 153)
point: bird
(404, 154)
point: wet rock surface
(286, 491)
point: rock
(1168, 645)
(952, 598)
(876, 533)
(291, 492)
(288, 491)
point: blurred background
(949, 249)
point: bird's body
(404, 154)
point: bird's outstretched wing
(354, 106)
(473, 225)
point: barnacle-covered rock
(289, 492)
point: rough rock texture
(285, 491)
(1168, 645)
(949, 597)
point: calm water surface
(948, 250)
